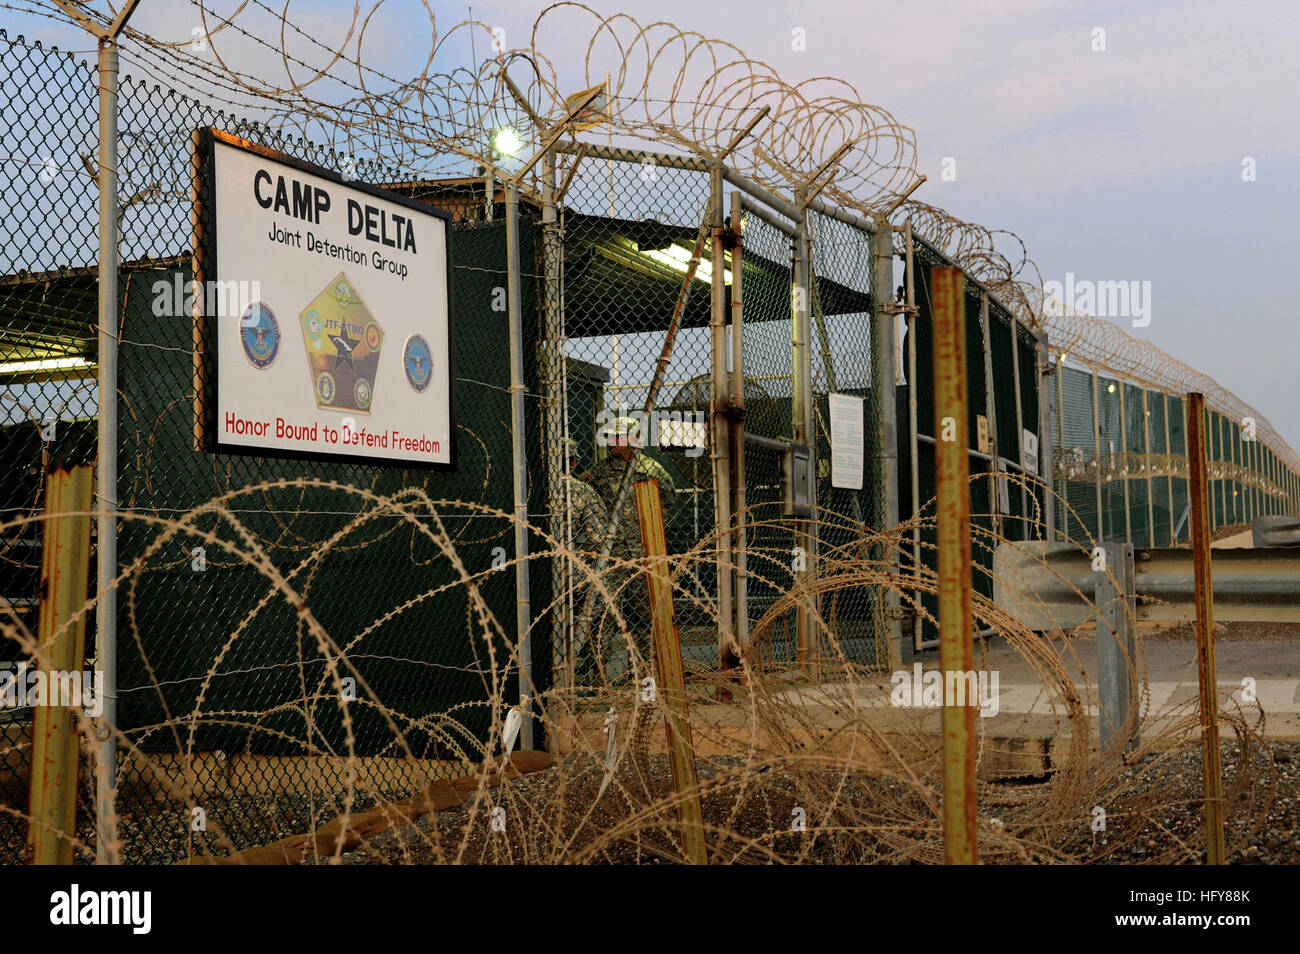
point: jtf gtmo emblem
(343, 342)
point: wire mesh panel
(1079, 462)
(988, 498)
(1135, 459)
(1006, 420)
(1114, 522)
(1030, 394)
(48, 395)
(1161, 479)
(842, 357)
(249, 581)
(629, 232)
(221, 682)
(1176, 409)
(1236, 489)
(768, 367)
(993, 499)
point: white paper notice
(846, 441)
(1029, 460)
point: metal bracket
(796, 481)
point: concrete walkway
(1168, 666)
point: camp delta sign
(346, 350)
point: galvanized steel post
(738, 511)
(106, 522)
(1114, 598)
(106, 361)
(556, 431)
(1123, 470)
(1020, 418)
(1096, 437)
(1064, 529)
(913, 318)
(523, 608)
(883, 376)
(802, 426)
(1146, 456)
(720, 438)
(1046, 443)
(990, 414)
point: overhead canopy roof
(53, 317)
(611, 286)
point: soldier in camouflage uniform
(587, 522)
(587, 514)
(604, 477)
(619, 437)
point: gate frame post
(1046, 443)
(519, 455)
(991, 412)
(719, 422)
(802, 425)
(884, 378)
(106, 852)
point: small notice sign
(846, 441)
(1030, 452)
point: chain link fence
(225, 698)
(48, 396)
(842, 303)
(1002, 369)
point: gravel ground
(158, 833)
(537, 832)
(1180, 821)
(1159, 821)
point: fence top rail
(934, 250)
(755, 192)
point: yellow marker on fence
(65, 570)
(1207, 670)
(671, 688)
(956, 635)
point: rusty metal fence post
(668, 669)
(1205, 664)
(56, 749)
(956, 635)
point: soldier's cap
(620, 427)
